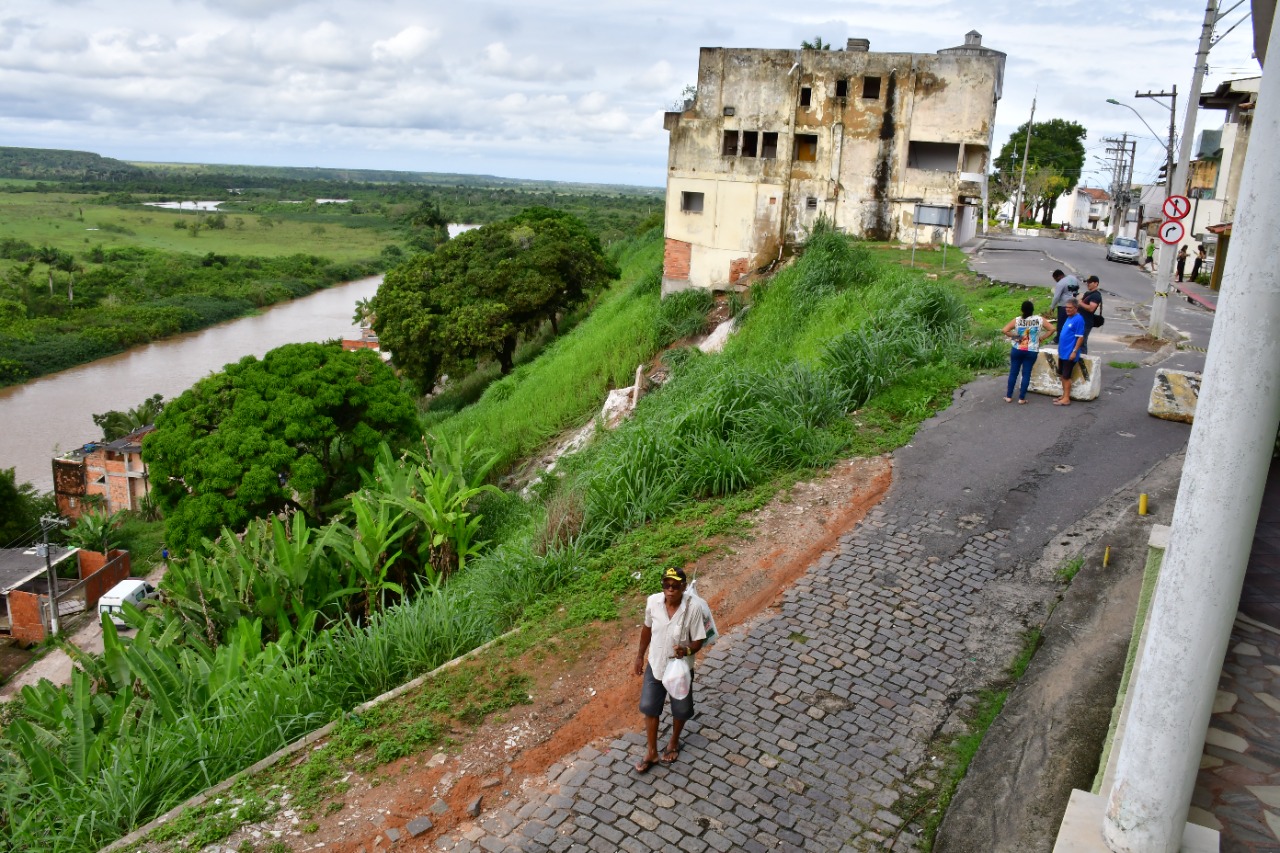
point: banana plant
(368, 549)
(439, 504)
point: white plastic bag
(677, 678)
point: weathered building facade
(109, 473)
(777, 138)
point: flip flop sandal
(670, 756)
(645, 765)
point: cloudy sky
(558, 89)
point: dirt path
(589, 693)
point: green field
(76, 222)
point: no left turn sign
(1176, 206)
(1172, 231)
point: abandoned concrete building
(776, 138)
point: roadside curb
(284, 752)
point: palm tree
(816, 44)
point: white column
(1213, 521)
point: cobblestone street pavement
(814, 719)
(807, 727)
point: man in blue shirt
(1070, 339)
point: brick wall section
(675, 259)
(738, 267)
(110, 575)
(24, 614)
(92, 561)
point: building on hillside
(775, 139)
(110, 474)
(1084, 209)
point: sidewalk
(1238, 790)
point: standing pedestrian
(1070, 338)
(1090, 309)
(1151, 254)
(672, 630)
(1065, 287)
(1182, 260)
(1026, 331)
(1201, 254)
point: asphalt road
(1126, 290)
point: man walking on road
(1151, 256)
(672, 629)
(1065, 287)
(1070, 339)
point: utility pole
(1173, 112)
(47, 523)
(1120, 179)
(1017, 205)
(1164, 277)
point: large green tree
(1056, 154)
(291, 431)
(476, 295)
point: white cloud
(545, 88)
(405, 46)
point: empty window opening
(811, 203)
(806, 96)
(933, 156)
(871, 88)
(769, 146)
(691, 202)
(806, 146)
(975, 158)
(730, 146)
(842, 88)
(750, 143)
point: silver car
(1124, 249)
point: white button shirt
(682, 628)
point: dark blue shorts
(653, 694)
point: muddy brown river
(54, 413)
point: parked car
(131, 590)
(1124, 249)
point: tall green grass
(519, 413)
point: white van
(131, 590)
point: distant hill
(47, 164)
(384, 176)
(42, 164)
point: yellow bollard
(1142, 504)
(1106, 556)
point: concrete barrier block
(1174, 395)
(1086, 379)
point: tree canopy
(1054, 160)
(475, 295)
(20, 510)
(290, 431)
(117, 424)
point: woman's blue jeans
(1020, 360)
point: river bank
(54, 413)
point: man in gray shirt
(1065, 287)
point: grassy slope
(518, 414)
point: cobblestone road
(814, 719)
(810, 723)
